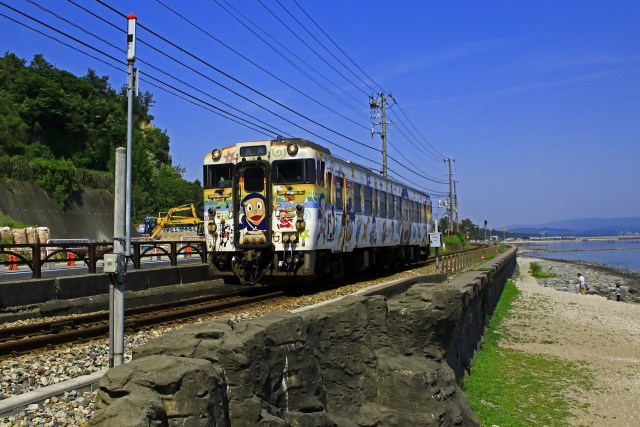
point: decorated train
(288, 207)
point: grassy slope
(508, 387)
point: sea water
(616, 253)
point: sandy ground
(602, 334)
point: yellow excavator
(179, 217)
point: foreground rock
(365, 360)
(358, 362)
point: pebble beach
(552, 319)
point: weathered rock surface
(361, 361)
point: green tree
(74, 124)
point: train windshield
(295, 171)
(216, 176)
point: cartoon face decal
(254, 206)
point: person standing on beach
(582, 286)
(618, 292)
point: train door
(252, 209)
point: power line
(221, 112)
(284, 24)
(292, 63)
(257, 65)
(339, 48)
(277, 131)
(246, 86)
(304, 27)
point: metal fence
(71, 251)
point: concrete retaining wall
(38, 291)
(361, 361)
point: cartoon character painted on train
(286, 216)
(349, 218)
(254, 207)
(331, 216)
(322, 220)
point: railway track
(27, 338)
(17, 340)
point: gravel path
(591, 329)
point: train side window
(216, 176)
(330, 187)
(320, 172)
(357, 198)
(392, 206)
(368, 201)
(382, 212)
(396, 202)
(339, 184)
(310, 175)
(374, 211)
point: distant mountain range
(582, 227)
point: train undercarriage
(252, 266)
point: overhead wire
(192, 87)
(414, 171)
(418, 132)
(221, 112)
(306, 30)
(339, 48)
(293, 33)
(216, 39)
(159, 81)
(434, 153)
(246, 86)
(283, 56)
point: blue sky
(538, 102)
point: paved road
(61, 269)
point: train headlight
(301, 224)
(216, 155)
(285, 238)
(292, 149)
(293, 238)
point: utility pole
(450, 206)
(117, 262)
(455, 204)
(378, 108)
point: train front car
(258, 200)
(289, 208)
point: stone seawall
(361, 361)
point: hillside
(89, 216)
(583, 227)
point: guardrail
(37, 256)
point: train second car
(288, 207)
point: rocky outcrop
(361, 361)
